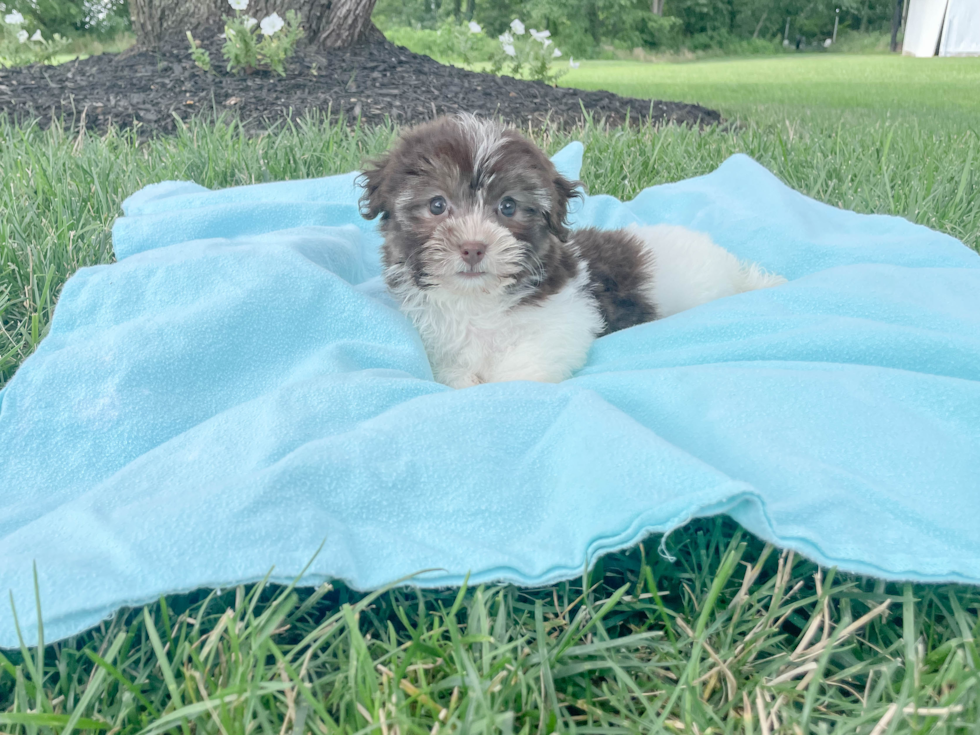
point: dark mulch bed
(372, 81)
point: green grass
(86, 46)
(730, 630)
(935, 93)
(730, 633)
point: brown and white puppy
(478, 254)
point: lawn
(935, 93)
(733, 636)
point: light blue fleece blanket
(237, 389)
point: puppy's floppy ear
(374, 200)
(563, 191)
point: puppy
(478, 253)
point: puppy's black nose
(472, 251)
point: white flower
(540, 36)
(37, 36)
(14, 18)
(271, 24)
(250, 22)
(229, 31)
(238, 4)
(509, 49)
(517, 27)
(22, 36)
(555, 54)
(573, 63)
(505, 38)
(826, 44)
(475, 27)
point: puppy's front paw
(465, 380)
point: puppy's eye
(508, 207)
(437, 205)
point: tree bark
(657, 7)
(470, 9)
(896, 22)
(349, 20)
(154, 20)
(329, 23)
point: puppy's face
(466, 206)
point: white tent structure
(942, 28)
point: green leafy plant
(450, 43)
(280, 39)
(100, 19)
(200, 55)
(528, 53)
(659, 31)
(18, 46)
(241, 43)
(251, 45)
(591, 29)
(465, 42)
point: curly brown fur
(473, 164)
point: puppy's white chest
(465, 345)
(472, 340)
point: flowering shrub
(465, 42)
(18, 46)
(450, 43)
(251, 45)
(276, 47)
(532, 55)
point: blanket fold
(238, 389)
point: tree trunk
(896, 22)
(349, 20)
(153, 20)
(657, 7)
(470, 9)
(329, 23)
(592, 19)
(761, 21)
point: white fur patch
(481, 337)
(486, 137)
(691, 269)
